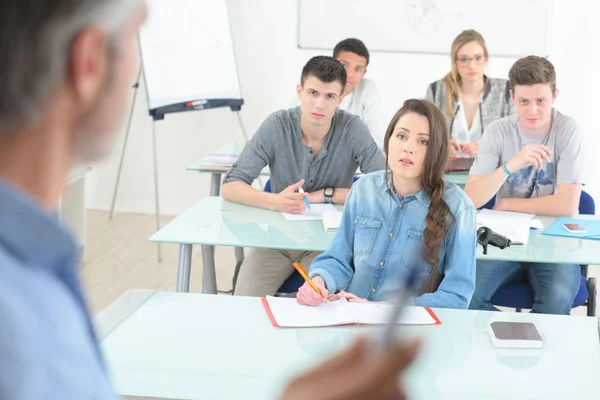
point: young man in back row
(315, 146)
(533, 163)
(361, 96)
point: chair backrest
(586, 204)
(490, 204)
(268, 184)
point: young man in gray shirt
(533, 163)
(315, 146)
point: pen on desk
(303, 273)
(305, 199)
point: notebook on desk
(285, 312)
(219, 161)
(520, 335)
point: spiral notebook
(285, 312)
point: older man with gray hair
(66, 70)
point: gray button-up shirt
(278, 144)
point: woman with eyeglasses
(470, 100)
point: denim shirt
(381, 234)
(48, 347)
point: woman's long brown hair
(439, 217)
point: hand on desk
(454, 147)
(289, 200)
(307, 295)
(356, 374)
(502, 205)
(470, 148)
(352, 298)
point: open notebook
(285, 312)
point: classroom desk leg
(209, 276)
(183, 271)
(239, 254)
(215, 184)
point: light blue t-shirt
(381, 235)
(503, 139)
(48, 348)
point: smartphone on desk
(574, 228)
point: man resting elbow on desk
(533, 163)
(403, 219)
(314, 146)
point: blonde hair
(452, 78)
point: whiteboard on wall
(188, 56)
(511, 28)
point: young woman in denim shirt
(405, 217)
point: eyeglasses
(479, 58)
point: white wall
(269, 63)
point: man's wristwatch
(328, 192)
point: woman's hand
(307, 295)
(454, 147)
(352, 298)
(470, 148)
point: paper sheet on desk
(315, 213)
(332, 220)
(514, 216)
(513, 225)
(379, 314)
(286, 312)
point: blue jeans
(554, 285)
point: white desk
(216, 222)
(193, 346)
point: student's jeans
(554, 285)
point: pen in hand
(304, 275)
(305, 199)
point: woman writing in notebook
(402, 218)
(469, 99)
